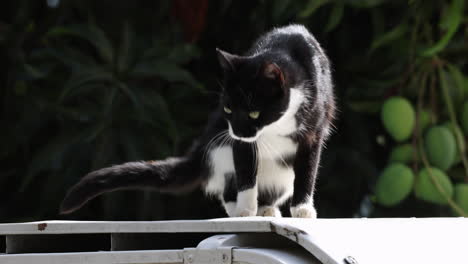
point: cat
(261, 147)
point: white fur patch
(303, 211)
(222, 162)
(247, 202)
(230, 208)
(273, 146)
(287, 123)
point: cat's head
(254, 94)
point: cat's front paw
(269, 211)
(303, 211)
(246, 212)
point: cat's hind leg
(305, 169)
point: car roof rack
(238, 240)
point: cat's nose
(245, 133)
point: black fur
(261, 80)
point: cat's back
(293, 39)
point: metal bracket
(208, 256)
(215, 249)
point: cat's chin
(244, 139)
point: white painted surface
(382, 241)
(91, 227)
(369, 241)
(122, 257)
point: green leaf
(465, 86)
(451, 22)
(35, 73)
(92, 34)
(124, 56)
(335, 16)
(165, 70)
(396, 33)
(72, 57)
(105, 151)
(81, 91)
(143, 113)
(365, 3)
(84, 77)
(456, 83)
(109, 101)
(95, 131)
(150, 98)
(279, 6)
(173, 73)
(366, 106)
(131, 145)
(79, 113)
(311, 7)
(182, 54)
(53, 151)
(129, 93)
(159, 49)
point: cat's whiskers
(253, 148)
(265, 150)
(226, 140)
(213, 142)
(277, 153)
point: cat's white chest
(274, 170)
(274, 146)
(221, 163)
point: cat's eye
(227, 110)
(254, 114)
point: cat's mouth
(245, 139)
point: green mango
(440, 147)
(398, 118)
(461, 196)
(459, 139)
(464, 117)
(394, 184)
(403, 153)
(427, 191)
(425, 119)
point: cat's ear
(226, 60)
(272, 71)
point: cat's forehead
(243, 89)
(245, 81)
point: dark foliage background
(88, 84)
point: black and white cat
(261, 148)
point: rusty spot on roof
(42, 227)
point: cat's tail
(170, 175)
